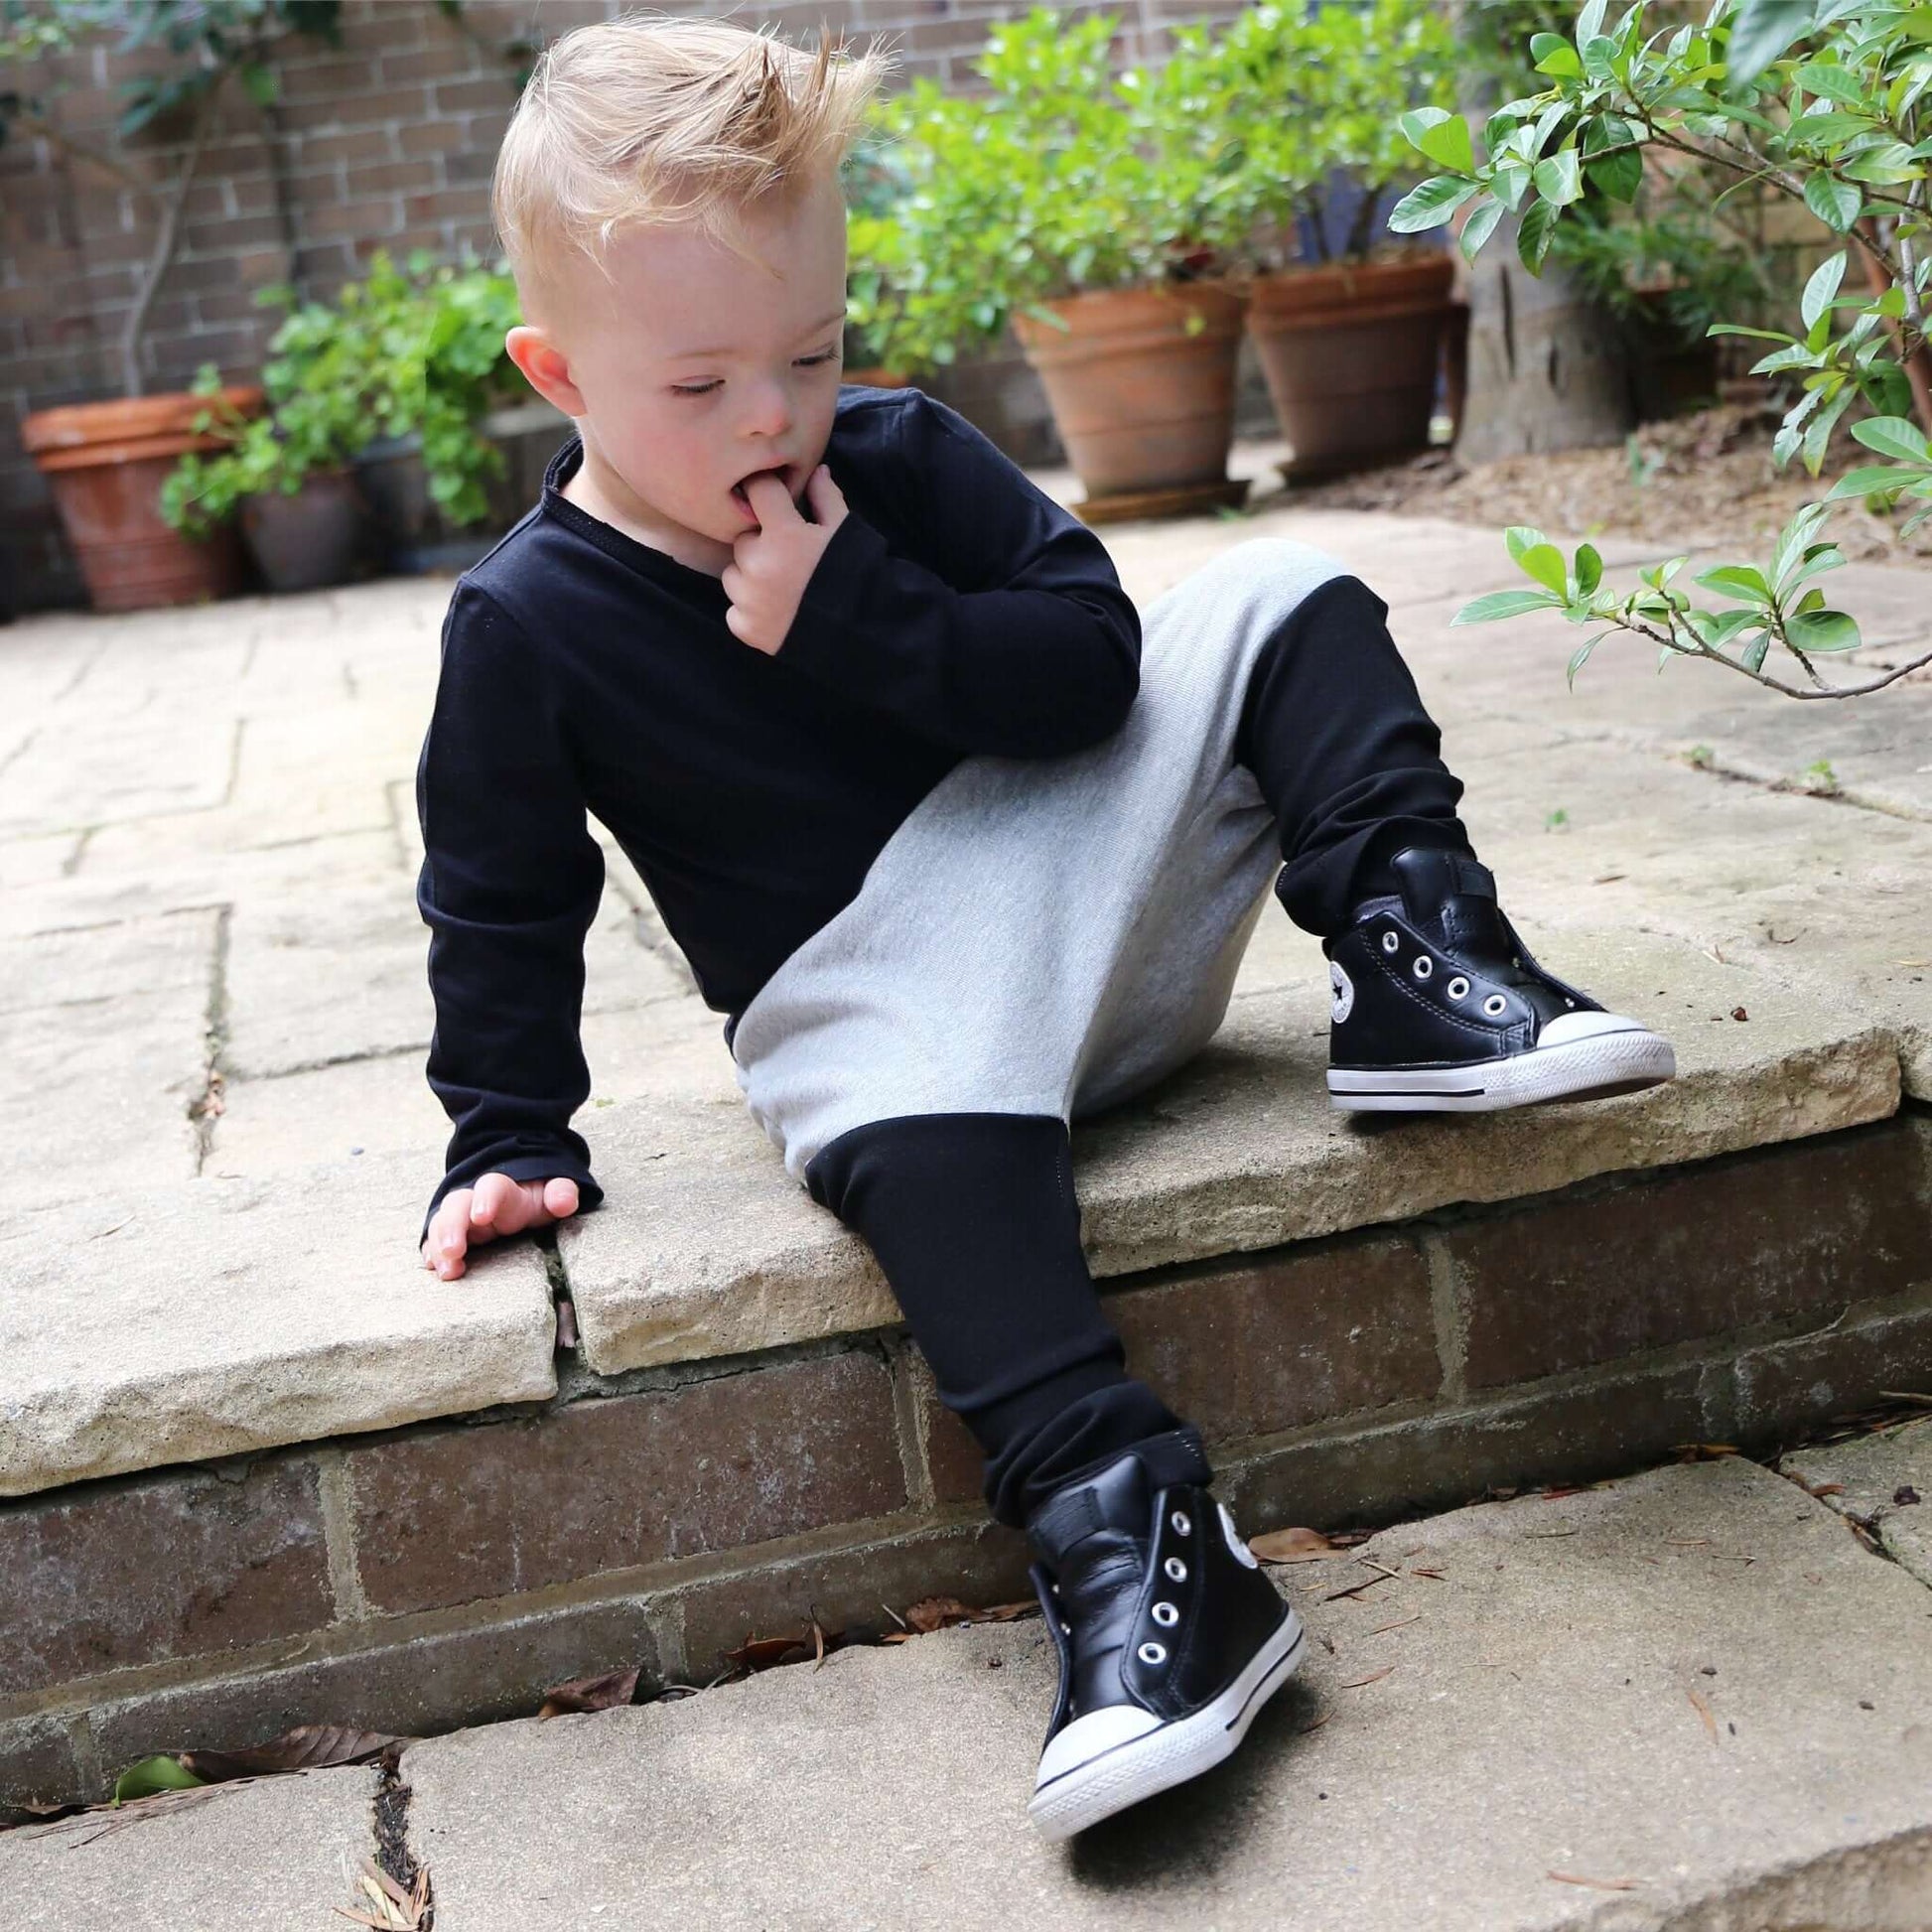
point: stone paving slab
(1597, 1685)
(248, 780)
(169, 1324)
(271, 1854)
(705, 1246)
(1885, 1481)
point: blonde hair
(657, 120)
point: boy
(961, 843)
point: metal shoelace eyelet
(1457, 988)
(1176, 1568)
(1424, 966)
(1165, 1616)
(1390, 944)
(1067, 1629)
(1495, 1006)
(1151, 1653)
(1179, 1519)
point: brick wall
(387, 141)
(447, 1573)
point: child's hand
(772, 565)
(466, 1217)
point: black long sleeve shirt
(957, 610)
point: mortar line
(1450, 1314)
(914, 1462)
(202, 1111)
(336, 1493)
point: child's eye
(804, 362)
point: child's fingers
(449, 1234)
(560, 1197)
(493, 1192)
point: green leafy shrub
(1831, 102)
(1061, 179)
(404, 352)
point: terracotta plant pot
(316, 537)
(105, 463)
(1349, 351)
(1144, 409)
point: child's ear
(545, 369)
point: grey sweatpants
(1048, 936)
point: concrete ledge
(216, 1316)
(710, 1249)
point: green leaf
(1820, 288)
(1736, 580)
(1544, 562)
(1867, 481)
(1559, 179)
(1834, 83)
(1619, 176)
(1755, 652)
(1894, 435)
(1886, 165)
(1761, 30)
(1589, 569)
(1430, 205)
(1534, 234)
(150, 1775)
(1478, 228)
(1446, 143)
(1835, 202)
(1554, 54)
(1581, 656)
(1504, 604)
(1823, 630)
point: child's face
(674, 432)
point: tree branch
(1695, 646)
(166, 240)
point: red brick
(1731, 1245)
(446, 62)
(981, 1563)
(464, 97)
(450, 1515)
(363, 110)
(1787, 1387)
(1301, 1337)
(108, 1574)
(336, 80)
(324, 150)
(1383, 1474)
(354, 218)
(392, 177)
(37, 1768)
(431, 137)
(409, 1685)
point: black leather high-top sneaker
(1438, 1006)
(1170, 1637)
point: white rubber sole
(1124, 1774)
(1617, 1060)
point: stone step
(1686, 1701)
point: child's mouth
(739, 495)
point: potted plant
(876, 183)
(286, 474)
(105, 462)
(464, 442)
(1348, 331)
(1088, 213)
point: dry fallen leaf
(1292, 1545)
(1401, 1622)
(931, 1613)
(602, 1692)
(307, 1748)
(1356, 1682)
(1600, 1884)
(1704, 1711)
